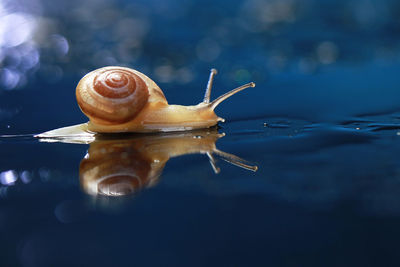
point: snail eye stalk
(207, 95)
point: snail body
(159, 117)
(119, 99)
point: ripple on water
(285, 135)
(378, 123)
(320, 165)
(376, 127)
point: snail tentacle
(207, 95)
(223, 97)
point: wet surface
(322, 193)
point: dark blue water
(322, 126)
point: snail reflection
(116, 167)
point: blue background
(322, 125)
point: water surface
(322, 191)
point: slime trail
(16, 137)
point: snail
(116, 167)
(119, 99)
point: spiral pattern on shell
(112, 95)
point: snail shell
(115, 95)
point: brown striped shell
(113, 95)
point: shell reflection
(117, 167)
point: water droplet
(16, 28)
(184, 75)
(60, 44)
(26, 177)
(165, 73)
(9, 78)
(44, 174)
(8, 177)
